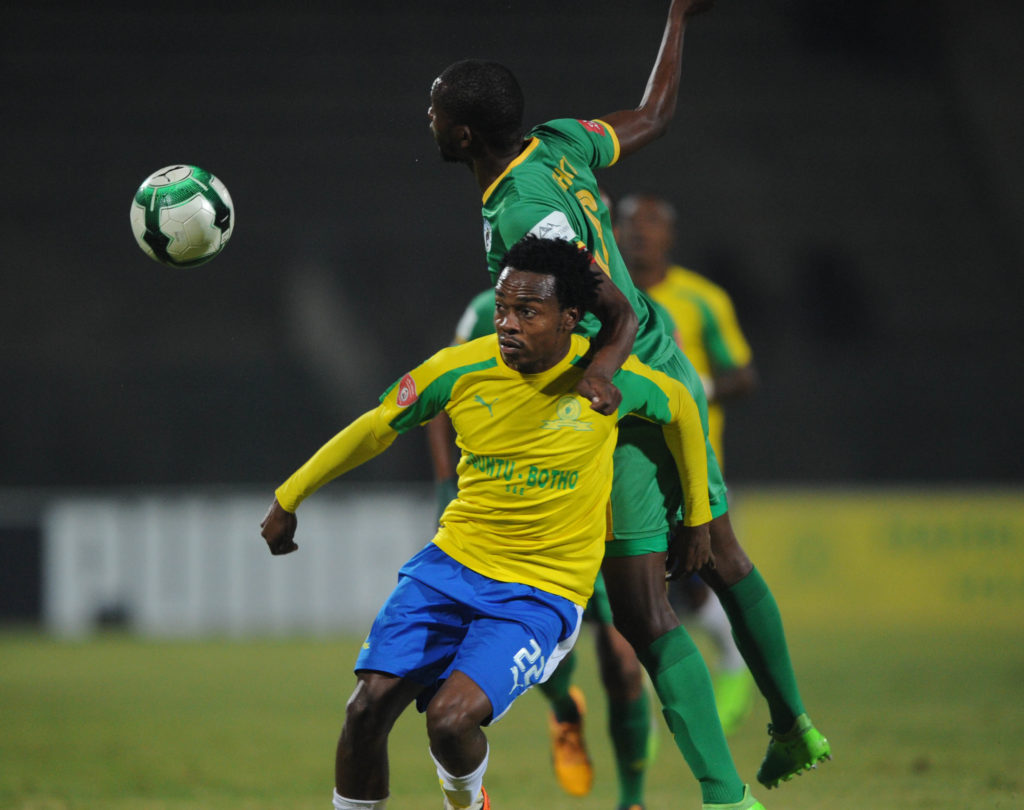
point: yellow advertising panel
(941, 557)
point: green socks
(629, 725)
(683, 685)
(757, 628)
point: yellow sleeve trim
(533, 144)
(615, 140)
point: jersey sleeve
(417, 397)
(412, 400)
(663, 400)
(366, 437)
(592, 141)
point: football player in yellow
(707, 327)
(491, 605)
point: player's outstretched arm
(638, 127)
(366, 437)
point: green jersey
(550, 190)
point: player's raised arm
(638, 127)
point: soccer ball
(182, 216)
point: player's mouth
(509, 346)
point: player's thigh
(415, 635)
(506, 655)
(639, 602)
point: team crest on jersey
(593, 126)
(568, 410)
(406, 392)
(488, 233)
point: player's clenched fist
(278, 529)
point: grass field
(917, 720)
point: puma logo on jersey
(485, 403)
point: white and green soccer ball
(182, 216)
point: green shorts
(646, 496)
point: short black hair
(576, 280)
(484, 96)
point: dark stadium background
(849, 170)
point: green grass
(917, 719)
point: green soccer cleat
(748, 802)
(799, 749)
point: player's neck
(491, 166)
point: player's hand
(689, 551)
(604, 397)
(278, 529)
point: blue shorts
(443, 616)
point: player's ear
(570, 317)
(463, 136)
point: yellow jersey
(535, 471)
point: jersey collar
(533, 144)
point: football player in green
(542, 182)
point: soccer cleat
(734, 698)
(573, 768)
(799, 749)
(748, 802)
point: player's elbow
(647, 125)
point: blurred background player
(709, 333)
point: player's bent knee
(447, 723)
(731, 562)
(374, 705)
